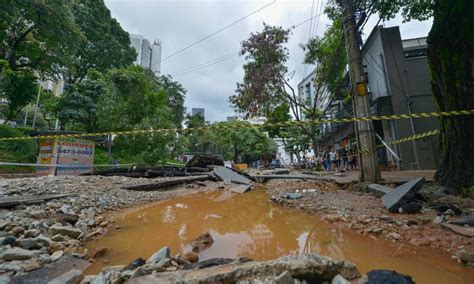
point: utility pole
(369, 168)
(36, 106)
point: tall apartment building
(148, 55)
(196, 111)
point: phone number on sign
(75, 152)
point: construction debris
(202, 161)
(463, 231)
(291, 195)
(379, 190)
(11, 202)
(162, 185)
(403, 194)
(227, 174)
(288, 176)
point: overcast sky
(180, 23)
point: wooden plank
(163, 184)
(12, 201)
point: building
(198, 111)
(398, 81)
(148, 55)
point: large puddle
(250, 225)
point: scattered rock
(191, 257)
(65, 231)
(402, 194)
(161, 254)
(466, 257)
(387, 276)
(99, 251)
(291, 195)
(73, 276)
(284, 278)
(135, 263)
(203, 242)
(31, 265)
(8, 241)
(411, 208)
(17, 254)
(56, 255)
(394, 236)
(17, 230)
(339, 279)
(32, 233)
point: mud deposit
(250, 225)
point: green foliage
(78, 105)
(104, 44)
(243, 143)
(37, 35)
(135, 100)
(24, 151)
(20, 89)
(263, 86)
(410, 10)
(49, 108)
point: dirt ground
(361, 211)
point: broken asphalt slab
(227, 174)
(240, 188)
(394, 199)
(379, 190)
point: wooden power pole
(369, 168)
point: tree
(105, 44)
(49, 107)
(133, 101)
(36, 35)
(176, 94)
(78, 105)
(20, 89)
(241, 142)
(266, 84)
(451, 60)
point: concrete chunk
(379, 190)
(394, 199)
(73, 276)
(227, 174)
(241, 188)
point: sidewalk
(387, 176)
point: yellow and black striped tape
(402, 140)
(234, 126)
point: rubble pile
(32, 236)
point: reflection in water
(249, 225)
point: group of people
(338, 160)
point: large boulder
(311, 268)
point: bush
(16, 151)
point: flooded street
(250, 225)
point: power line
(214, 33)
(227, 56)
(206, 64)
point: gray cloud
(180, 23)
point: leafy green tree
(78, 105)
(176, 94)
(20, 89)
(104, 44)
(198, 141)
(49, 108)
(36, 35)
(133, 101)
(242, 142)
(450, 55)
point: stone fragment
(32, 233)
(99, 251)
(9, 240)
(387, 276)
(379, 190)
(31, 265)
(134, 264)
(161, 254)
(56, 255)
(65, 231)
(203, 242)
(404, 193)
(339, 279)
(284, 278)
(73, 276)
(227, 174)
(191, 257)
(17, 254)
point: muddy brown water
(250, 225)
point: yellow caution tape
(278, 124)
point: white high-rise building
(148, 55)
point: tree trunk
(451, 58)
